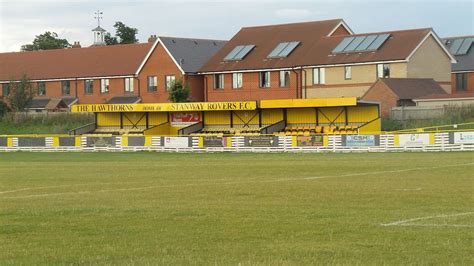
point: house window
(88, 86)
(41, 88)
(5, 89)
(319, 75)
(66, 87)
(104, 86)
(128, 85)
(236, 80)
(264, 79)
(383, 70)
(169, 81)
(218, 81)
(347, 72)
(284, 79)
(461, 81)
(152, 84)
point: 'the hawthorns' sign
(164, 107)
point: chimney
(76, 45)
(152, 38)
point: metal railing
(191, 129)
(278, 126)
(83, 129)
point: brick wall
(470, 82)
(379, 92)
(250, 90)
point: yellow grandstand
(292, 117)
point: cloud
(293, 13)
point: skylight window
(361, 43)
(283, 49)
(239, 52)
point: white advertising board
(414, 139)
(176, 142)
(463, 137)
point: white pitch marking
(244, 182)
(408, 222)
(393, 171)
(60, 186)
(409, 189)
(438, 225)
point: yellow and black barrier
(369, 141)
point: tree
(178, 92)
(46, 41)
(3, 108)
(123, 35)
(109, 40)
(21, 92)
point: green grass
(226, 209)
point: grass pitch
(226, 209)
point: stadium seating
(221, 131)
(311, 130)
(298, 130)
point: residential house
(462, 77)
(141, 72)
(320, 59)
(394, 92)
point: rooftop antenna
(98, 16)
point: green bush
(56, 123)
(3, 109)
(452, 115)
(179, 92)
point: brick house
(320, 59)
(128, 73)
(462, 77)
(392, 92)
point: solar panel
(288, 49)
(278, 50)
(455, 46)
(239, 52)
(240, 55)
(234, 52)
(343, 44)
(365, 44)
(351, 47)
(361, 43)
(283, 49)
(466, 44)
(378, 42)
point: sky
(22, 20)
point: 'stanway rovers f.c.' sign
(164, 107)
